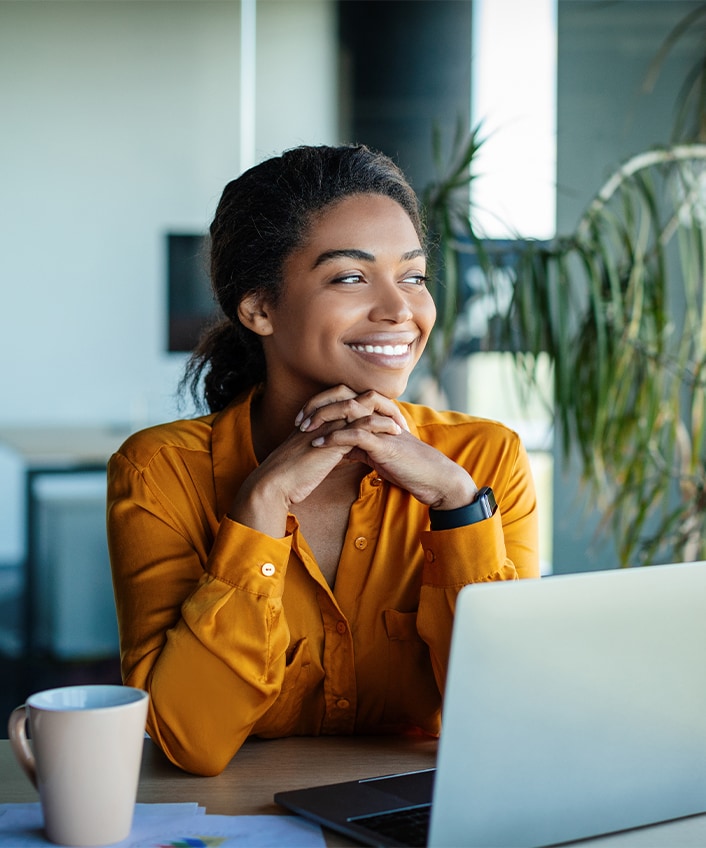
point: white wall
(120, 122)
(297, 75)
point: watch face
(486, 499)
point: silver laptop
(575, 706)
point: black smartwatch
(482, 507)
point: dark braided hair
(262, 217)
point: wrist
(456, 498)
(263, 508)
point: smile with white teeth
(386, 350)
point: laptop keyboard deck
(409, 826)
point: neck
(271, 421)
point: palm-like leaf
(447, 208)
(621, 311)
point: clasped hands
(341, 425)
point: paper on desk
(22, 824)
(172, 825)
(231, 831)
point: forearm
(219, 670)
(200, 622)
(503, 547)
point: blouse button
(267, 569)
(429, 555)
(343, 703)
(376, 481)
(361, 543)
(341, 627)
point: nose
(390, 304)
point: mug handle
(17, 731)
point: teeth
(386, 350)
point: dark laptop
(575, 706)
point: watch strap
(483, 506)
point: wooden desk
(261, 768)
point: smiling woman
(289, 563)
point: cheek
(427, 313)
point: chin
(387, 388)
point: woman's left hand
(399, 457)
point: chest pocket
(412, 694)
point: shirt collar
(232, 450)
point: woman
(289, 563)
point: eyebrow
(362, 255)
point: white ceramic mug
(84, 758)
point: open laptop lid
(575, 706)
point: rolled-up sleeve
(201, 630)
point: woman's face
(354, 307)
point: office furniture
(73, 603)
(49, 452)
(262, 767)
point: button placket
(339, 685)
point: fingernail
(305, 424)
(317, 442)
(298, 419)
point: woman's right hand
(294, 469)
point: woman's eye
(415, 279)
(349, 279)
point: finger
(332, 395)
(377, 425)
(353, 409)
(348, 411)
(385, 405)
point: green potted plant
(618, 305)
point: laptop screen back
(575, 705)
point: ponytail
(227, 361)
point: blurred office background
(121, 123)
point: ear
(254, 314)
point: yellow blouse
(234, 633)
